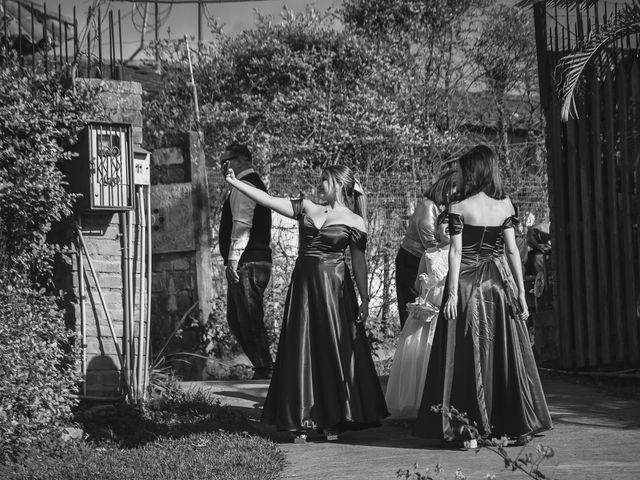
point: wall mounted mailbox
(102, 170)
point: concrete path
(596, 436)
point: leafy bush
(174, 413)
(40, 119)
(215, 336)
(35, 379)
(300, 93)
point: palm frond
(593, 52)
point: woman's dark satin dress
(324, 375)
(482, 362)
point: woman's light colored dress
(410, 362)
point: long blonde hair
(345, 185)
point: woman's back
(482, 210)
(481, 220)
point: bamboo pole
(132, 300)
(83, 313)
(126, 299)
(194, 90)
(141, 327)
(149, 277)
(102, 301)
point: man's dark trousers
(245, 314)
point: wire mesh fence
(392, 197)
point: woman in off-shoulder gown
(482, 363)
(324, 377)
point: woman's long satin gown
(324, 376)
(482, 363)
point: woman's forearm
(513, 258)
(455, 256)
(360, 274)
(255, 194)
(278, 204)
(361, 282)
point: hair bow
(357, 187)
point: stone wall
(182, 270)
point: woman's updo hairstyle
(345, 185)
(480, 173)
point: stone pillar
(103, 236)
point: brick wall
(104, 239)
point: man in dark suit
(245, 237)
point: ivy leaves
(39, 119)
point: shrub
(177, 435)
(40, 119)
(36, 378)
(174, 413)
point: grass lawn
(183, 435)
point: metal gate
(593, 167)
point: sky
(182, 19)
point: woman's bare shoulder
(507, 204)
(458, 207)
(358, 222)
(426, 203)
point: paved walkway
(596, 436)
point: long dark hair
(480, 173)
(442, 190)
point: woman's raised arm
(280, 205)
